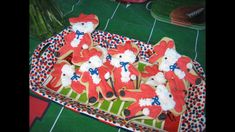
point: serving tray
(109, 112)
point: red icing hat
(58, 66)
(87, 54)
(56, 73)
(160, 50)
(123, 48)
(150, 71)
(84, 18)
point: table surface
(133, 21)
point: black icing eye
(63, 74)
(155, 86)
(170, 95)
(120, 56)
(136, 59)
(89, 61)
(152, 79)
(165, 58)
(82, 23)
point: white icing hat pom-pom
(142, 102)
(189, 66)
(146, 111)
(85, 46)
(179, 73)
(107, 75)
(133, 77)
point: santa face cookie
(95, 75)
(124, 73)
(80, 37)
(65, 75)
(177, 68)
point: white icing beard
(75, 42)
(87, 27)
(84, 67)
(165, 100)
(96, 62)
(128, 56)
(125, 74)
(159, 80)
(145, 102)
(115, 62)
(96, 79)
(68, 70)
(170, 58)
(66, 81)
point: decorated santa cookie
(153, 99)
(155, 78)
(65, 75)
(125, 73)
(179, 98)
(146, 102)
(177, 68)
(80, 37)
(95, 75)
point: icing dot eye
(63, 74)
(120, 56)
(89, 61)
(165, 58)
(82, 23)
(170, 95)
(152, 79)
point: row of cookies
(164, 84)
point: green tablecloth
(133, 21)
